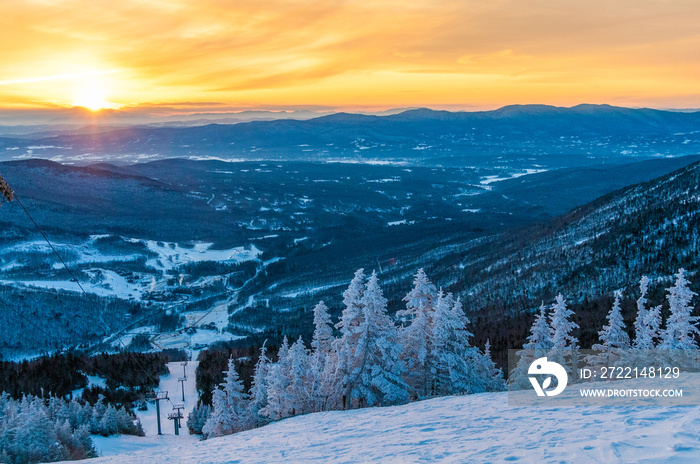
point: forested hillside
(648, 229)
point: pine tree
(613, 338)
(83, 446)
(230, 413)
(614, 335)
(681, 326)
(421, 296)
(299, 384)
(539, 342)
(350, 325)
(375, 373)
(452, 356)
(277, 381)
(36, 437)
(564, 344)
(648, 337)
(561, 326)
(258, 388)
(109, 424)
(640, 321)
(352, 299)
(323, 363)
(323, 333)
(197, 418)
(416, 337)
(491, 377)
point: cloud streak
(350, 54)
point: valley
(234, 251)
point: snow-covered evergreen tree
(375, 371)
(277, 381)
(539, 342)
(230, 412)
(490, 377)
(299, 379)
(33, 429)
(681, 326)
(648, 338)
(614, 334)
(324, 375)
(323, 333)
(36, 437)
(421, 296)
(613, 337)
(540, 338)
(109, 423)
(350, 325)
(258, 388)
(561, 326)
(564, 344)
(642, 312)
(450, 360)
(352, 299)
(197, 418)
(416, 337)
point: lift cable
(10, 195)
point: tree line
(376, 360)
(33, 429)
(551, 334)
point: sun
(92, 96)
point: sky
(169, 57)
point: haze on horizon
(171, 57)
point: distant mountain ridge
(416, 135)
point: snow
(491, 179)
(203, 337)
(118, 445)
(172, 255)
(86, 251)
(476, 429)
(218, 315)
(310, 290)
(383, 181)
(105, 282)
(93, 380)
(169, 255)
(111, 285)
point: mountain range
(419, 136)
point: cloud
(347, 53)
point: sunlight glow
(92, 96)
(294, 54)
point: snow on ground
(218, 316)
(93, 380)
(195, 341)
(172, 255)
(169, 254)
(105, 282)
(126, 337)
(85, 251)
(486, 180)
(310, 290)
(118, 445)
(469, 429)
(110, 284)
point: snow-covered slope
(647, 229)
(469, 429)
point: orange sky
(216, 55)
